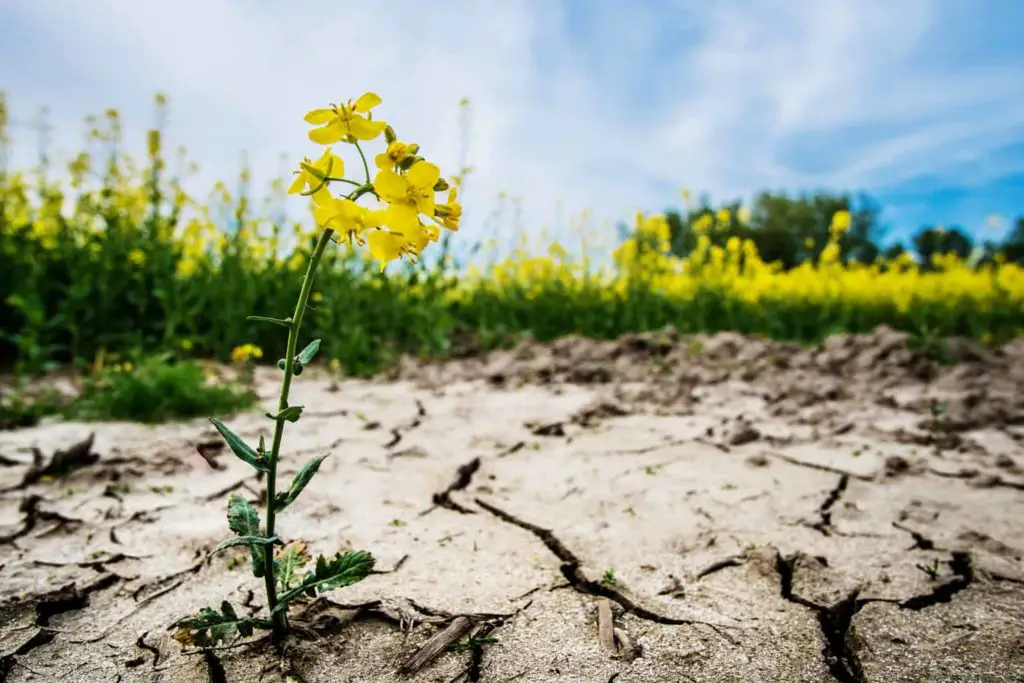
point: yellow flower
(450, 212)
(312, 176)
(127, 366)
(186, 344)
(317, 297)
(245, 352)
(415, 187)
(187, 267)
(386, 246)
(396, 153)
(841, 221)
(346, 217)
(345, 120)
(723, 215)
(137, 257)
(408, 195)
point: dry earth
(651, 509)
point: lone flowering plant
(405, 185)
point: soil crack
(963, 576)
(463, 478)
(32, 515)
(835, 622)
(572, 571)
(398, 432)
(824, 524)
(815, 466)
(69, 598)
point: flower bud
(441, 185)
(389, 134)
(407, 162)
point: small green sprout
(932, 570)
(472, 643)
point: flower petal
(423, 175)
(329, 134)
(384, 246)
(320, 116)
(361, 129)
(390, 186)
(366, 102)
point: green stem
(280, 620)
(343, 180)
(366, 167)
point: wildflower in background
(245, 353)
(186, 345)
(187, 267)
(127, 366)
(345, 120)
(723, 216)
(137, 257)
(703, 224)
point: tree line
(794, 229)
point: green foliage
(289, 565)
(17, 410)
(256, 459)
(157, 390)
(305, 475)
(786, 229)
(212, 627)
(344, 569)
(245, 521)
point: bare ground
(651, 509)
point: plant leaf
(211, 627)
(245, 521)
(290, 414)
(239, 447)
(289, 563)
(245, 540)
(286, 498)
(307, 354)
(344, 569)
(286, 322)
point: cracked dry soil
(649, 509)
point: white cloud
(612, 117)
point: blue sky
(586, 104)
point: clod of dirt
(61, 463)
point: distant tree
(931, 241)
(785, 229)
(1012, 248)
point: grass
(157, 390)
